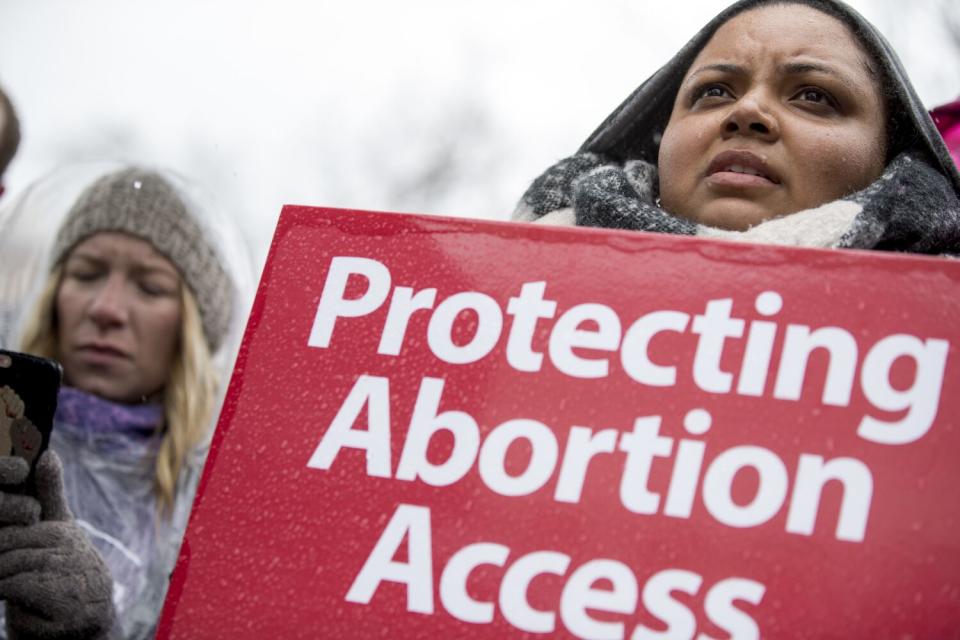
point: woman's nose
(749, 116)
(109, 305)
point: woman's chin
(107, 388)
(733, 214)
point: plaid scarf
(911, 207)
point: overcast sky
(436, 106)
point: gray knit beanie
(144, 204)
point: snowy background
(433, 106)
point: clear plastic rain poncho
(109, 475)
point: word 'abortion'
(639, 452)
(583, 339)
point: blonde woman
(135, 304)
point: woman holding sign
(787, 122)
(139, 298)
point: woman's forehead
(782, 32)
(116, 245)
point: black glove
(55, 583)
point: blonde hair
(188, 396)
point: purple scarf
(83, 410)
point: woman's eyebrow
(797, 68)
(789, 68)
(145, 267)
(723, 67)
(155, 270)
(84, 257)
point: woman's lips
(738, 180)
(101, 354)
(740, 169)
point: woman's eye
(84, 275)
(816, 96)
(710, 91)
(151, 290)
(155, 289)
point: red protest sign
(450, 428)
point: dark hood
(633, 130)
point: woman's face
(779, 113)
(118, 309)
